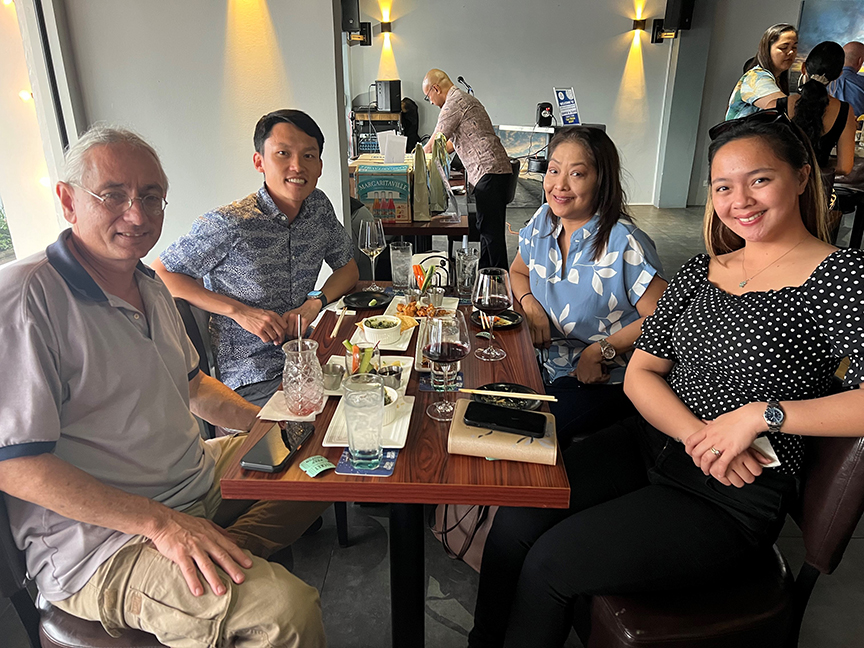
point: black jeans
(490, 193)
(642, 518)
(584, 409)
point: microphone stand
(467, 87)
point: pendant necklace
(751, 277)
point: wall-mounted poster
(840, 21)
(566, 99)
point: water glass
(467, 261)
(364, 411)
(400, 264)
(302, 380)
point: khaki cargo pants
(140, 588)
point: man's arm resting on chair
(267, 325)
(216, 403)
(193, 543)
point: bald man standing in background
(850, 86)
(468, 129)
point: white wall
(513, 52)
(194, 76)
(738, 26)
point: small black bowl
(507, 319)
(512, 403)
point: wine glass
(447, 344)
(371, 242)
(491, 296)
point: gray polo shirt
(102, 386)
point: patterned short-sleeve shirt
(730, 350)
(464, 120)
(586, 300)
(249, 251)
(751, 87)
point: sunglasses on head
(769, 116)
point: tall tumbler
(364, 411)
(302, 380)
(467, 261)
(400, 264)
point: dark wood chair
(46, 625)
(196, 330)
(765, 611)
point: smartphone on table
(505, 419)
(277, 447)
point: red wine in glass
(446, 352)
(492, 295)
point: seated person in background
(586, 277)
(768, 80)
(111, 492)
(260, 257)
(827, 121)
(744, 342)
(850, 86)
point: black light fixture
(363, 37)
(386, 27)
(640, 24)
(659, 34)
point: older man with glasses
(111, 492)
(468, 129)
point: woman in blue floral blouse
(586, 277)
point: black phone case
(277, 447)
(503, 419)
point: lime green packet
(315, 465)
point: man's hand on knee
(197, 544)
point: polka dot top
(730, 350)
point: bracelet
(524, 295)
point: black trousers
(490, 194)
(583, 409)
(642, 518)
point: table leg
(407, 575)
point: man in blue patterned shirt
(260, 257)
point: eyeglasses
(426, 96)
(118, 203)
(769, 116)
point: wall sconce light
(640, 24)
(386, 27)
(658, 34)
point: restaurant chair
(766, 609)
(47, 626)
(195, 321)
(851, 200)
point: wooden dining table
(425, 473)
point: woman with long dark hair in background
(828, 122)
(768, 79)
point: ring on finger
(716, 452)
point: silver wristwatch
(774, 416)
(607, 350)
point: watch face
(774, 416)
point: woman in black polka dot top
(736, 362)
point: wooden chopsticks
(484, 392)
(338, 322)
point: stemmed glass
(491, 295)
(371, 241)
(447, 344)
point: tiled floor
(354, 582)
